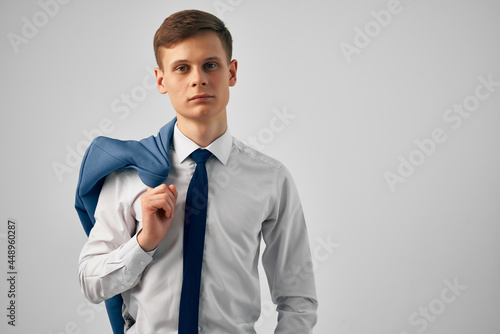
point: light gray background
(389, 255)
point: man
(143, 246)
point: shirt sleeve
(287, 260)
(112, 261)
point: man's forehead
(212, 58)
(203, 45)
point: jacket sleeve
(287, 260)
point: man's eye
(211, 65)
(181, 68)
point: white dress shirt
(251, 196)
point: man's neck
(202, 132)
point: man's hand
(158, 206)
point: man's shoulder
(124, 173)
(124, 178)
(255, 156)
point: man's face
(197, 77)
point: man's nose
(198, 77)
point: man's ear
(233, 68)
(160, 81)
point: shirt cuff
(134, 257)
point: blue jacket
(148, 156)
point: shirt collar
(220, 147)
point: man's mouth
(201, 97)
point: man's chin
(201, 114)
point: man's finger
(173, 190)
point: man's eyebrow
(178, 61)
(213, 58)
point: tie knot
(201, 155)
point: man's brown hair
(187, 23)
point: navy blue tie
(194, 240)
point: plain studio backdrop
(387, 113)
